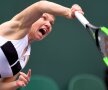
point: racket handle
(81, 18)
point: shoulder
(9, 26)
(12, 30)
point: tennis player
(16, 35)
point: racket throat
(90, 26)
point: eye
(51, 23)
(44, 17)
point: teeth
(43, 31)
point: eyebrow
(47, 16)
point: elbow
(41, 3)
(42, 6)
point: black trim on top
(10, 52)
(16, 68)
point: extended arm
(21, 23)
(33, 12)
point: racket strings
(106, 45)
(103, 42)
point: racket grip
(81, 18)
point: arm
(21, 23)
(12, 84)
(8, 83)
(33, 12)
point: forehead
(49, 16)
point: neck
(30, 40)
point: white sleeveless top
(11, 58)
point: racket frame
(94, 30)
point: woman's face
(42, 27)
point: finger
(24, 75)
(73, 13)
(29, 74)
(20, 84)
(21, 78)
(81, 12)
(76, 7)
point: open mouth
(43, 31)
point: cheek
(36, 24)
(35, 27)
(50, 30)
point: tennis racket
(99, 35)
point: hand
(23, 79)
(74, 8)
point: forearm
(12, 84)
(8, 85)
(35, 11)
(53, 8)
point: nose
(48, 25)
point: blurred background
(69, 50)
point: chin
(38, 39)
